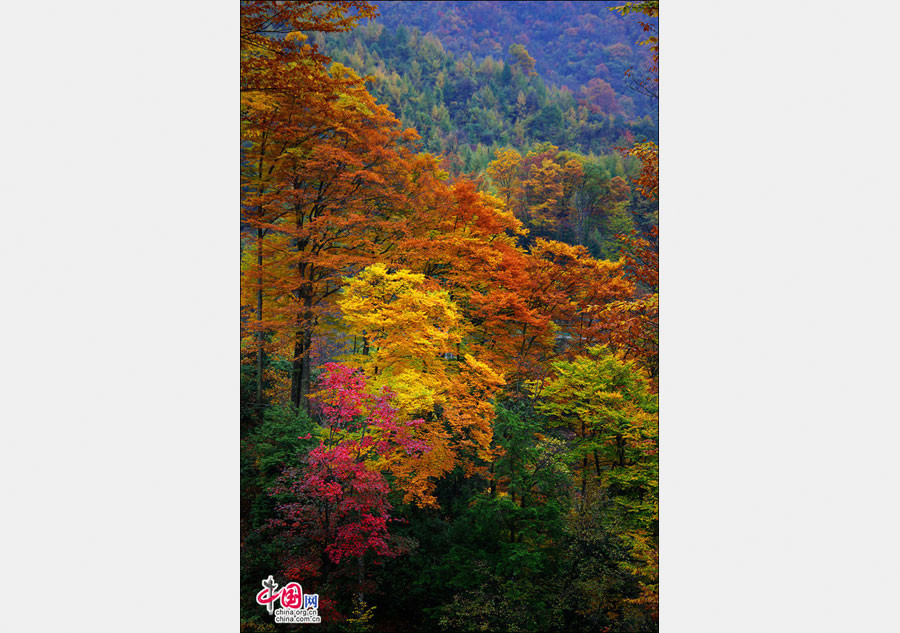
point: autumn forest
(449, 314)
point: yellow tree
(523, 60)
(410, 338)
(504, 172)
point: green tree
(608, 405)
(521, 59)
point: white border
(779, 234)
(119, 453)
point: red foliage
(339, 506)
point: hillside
(572, 43)
(464, 107)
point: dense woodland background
(449, 313)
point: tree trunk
(300, 370)
(584, 468)
(259, 334)
(362, 575)
(259, 293)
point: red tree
(339, 508)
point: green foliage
(606, 403)
(618, 221)
(276, 443)
(265, 452)
(599, 590)
(500, 553)
(454, 102)
(570, 42)
(546, 124)
(533, 463)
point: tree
(334, 192)
(647, 182)
(606, 402)
(336, 506)
(597, 197)
(634, 323)
(406, 328)
(544, 195)
(412, 341)
(572, 289)
(279, 71)
(270, 447)
(504, 172)
(599, 96)
(522, 60)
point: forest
(449, 314)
